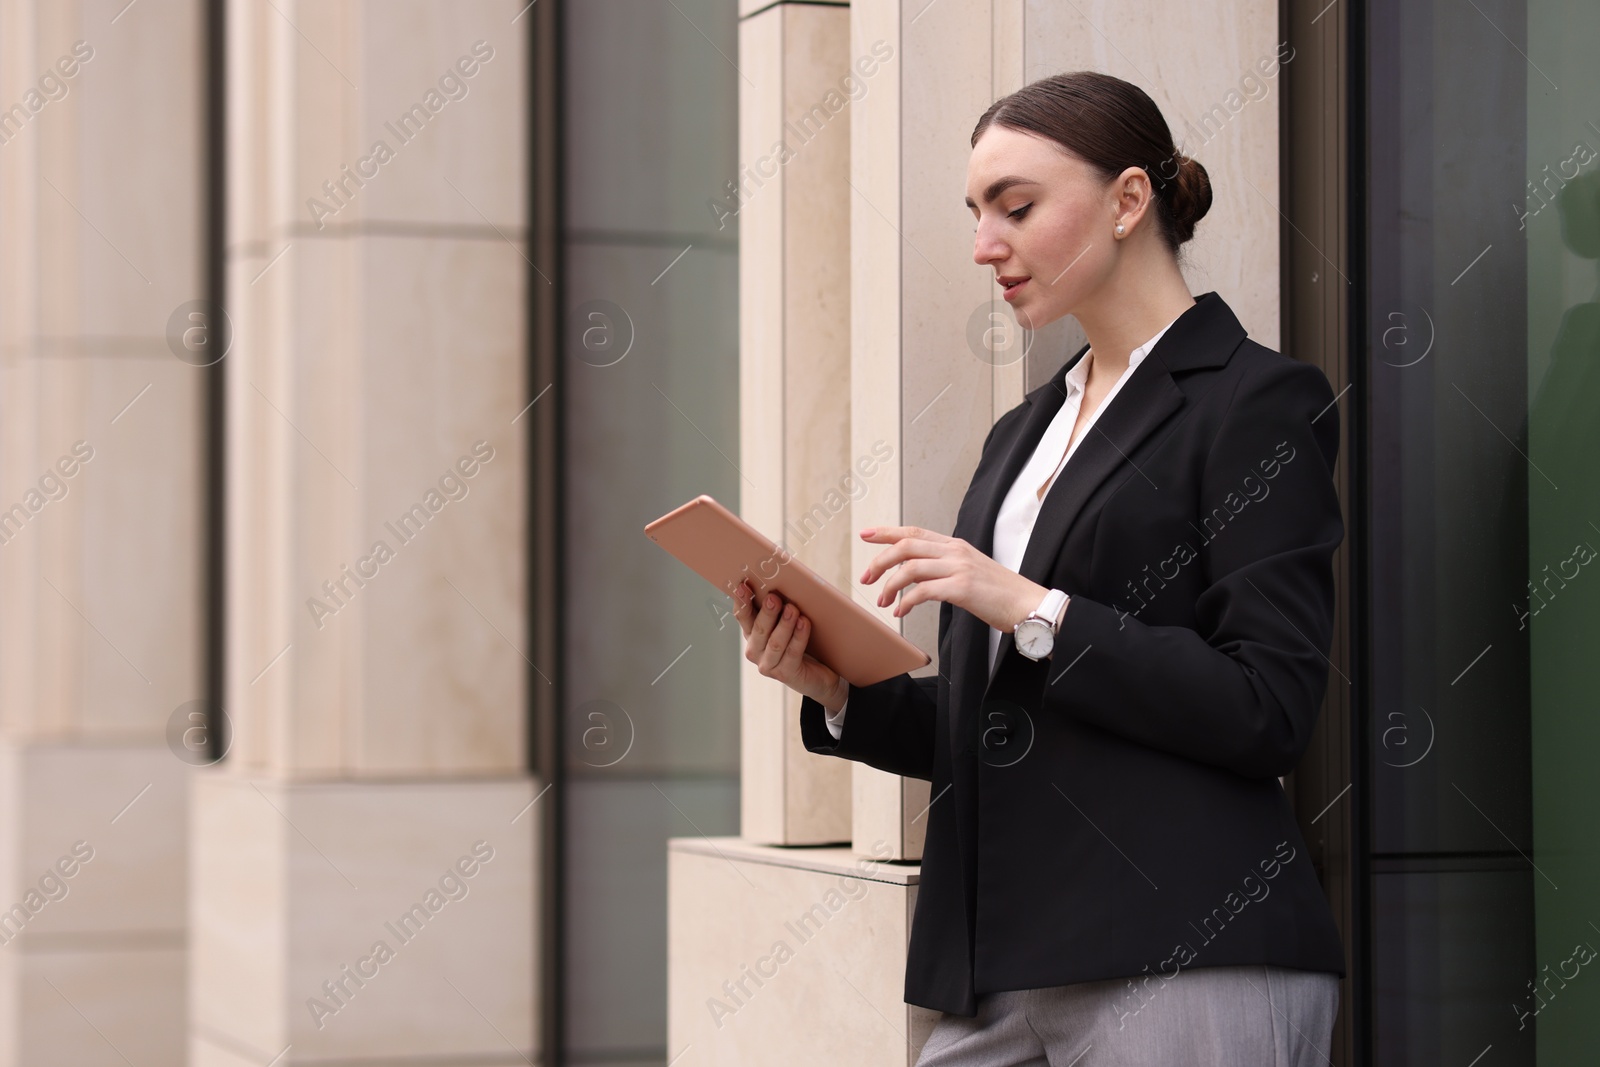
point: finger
(922, 592)
(761, 630)
(912, 572)
(908, 548)
(794, 656)
(887, 534)
(893, 556)
(745, 596)
(778, 642)
(905, 574)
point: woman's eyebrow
(998, 186)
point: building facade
(346, 715)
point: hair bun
(1191, 196)
(1111, 125)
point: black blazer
(1114, 811)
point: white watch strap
(1050, 606)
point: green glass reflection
(1561, 220)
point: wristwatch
(1036, 635)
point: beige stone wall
(100, 524)
(778, 956)
(1207, 67)
(794, 371)
(376, 548)
(376, 276)
(99, 621)
(374, 380)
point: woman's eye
(1021, 211)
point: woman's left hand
(948, 569)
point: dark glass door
(1483, 519)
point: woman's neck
(1138, 312)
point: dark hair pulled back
(1111, 125)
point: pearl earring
(1119, 227)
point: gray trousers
(1255, 1016)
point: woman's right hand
(775, 641)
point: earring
(1119, 227)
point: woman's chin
(1035, 318)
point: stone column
(363, 882)
(791, 202)
(753, 928)
(101, 523)
(919, 303)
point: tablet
(724, 549)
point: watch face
(1034, 638)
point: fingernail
(869, 531)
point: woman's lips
(1011, 291)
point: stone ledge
(823, 859)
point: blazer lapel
(1205, 335)
(1145, 401)
(1043, 404)
(969, 634)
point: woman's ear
(1134, 195)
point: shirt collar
(1078, 376)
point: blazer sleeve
(1242, 690)
(890, 726)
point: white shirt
(1020, 508)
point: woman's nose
(987, 248)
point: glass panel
(1484, 420)
(1440, 986)
(1563, 598)
(652, 419)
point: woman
(1135, 607)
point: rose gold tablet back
(724, 549)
